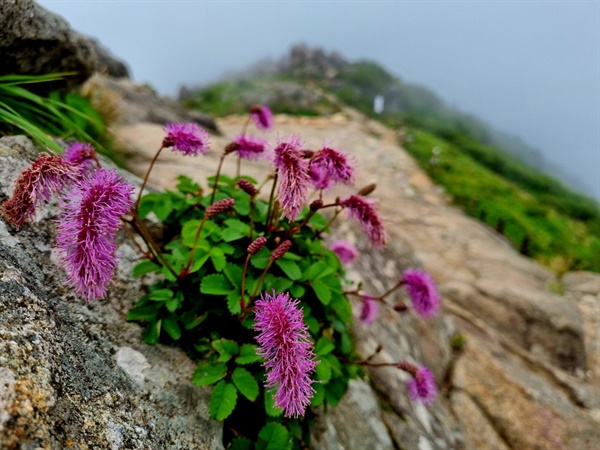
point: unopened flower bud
(218, 207)
(408, 367)
(231, 147)
(367, 189)
(247, 187)
(281, 250)
(400, 307)
(257, 245)
(316, 205)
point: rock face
(523, 380)
(35, 41)
(78, 376)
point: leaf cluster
(205, 312)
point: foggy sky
(531, 68)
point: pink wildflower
(262, 116)
(345, 251)
(287, 350)
(369, 309)
(250, 147)
(422, 385)
(292, 169)
(363, 210)
(36, 184)
(329, 166)
(186, 138)
(422, 291)
(86, 233)
(81, 154)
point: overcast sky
(531, 68)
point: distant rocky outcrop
(34, 41)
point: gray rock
(35, 41)
(78, 376)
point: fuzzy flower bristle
(329, 166)
(36, 184)
(286, 347)
(90, 219)
(262, 116)
(363, 210)
(423, 292)
(250, 147)
(293, 174)
(81, 154)
(345, 251)
(187, 138)
(422, 386)
(369, 309)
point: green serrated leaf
(190, 321)
(323, 369)
(273, 436)
(238, 225)
(341, 306)
(230, 235)
(312, 324)
(161, 295)
(170, 325)
(270, 408)
(241, 443)
(152, 332)
(245, 383)
(233, 302)
(318, 221)
(145, 267)
(215, 284)
(247, 354)
(324, 346)
(316, 271)
(261, 259)
(218, 259)
(144, 312)
(234, 275)
(173, 303)
(242, 205)
(222, 401)
(297, 291)
(200, 258)
(322, 291)
(226, 348)
(319, 396)
(209, 373)
(282, 284)
(290, 268)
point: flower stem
(242, 301)
(260, 280)
(216, 182)
(185, 271)
(271, 197)
(137, 202)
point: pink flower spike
(423, 293)
(81, 154)
(286, 347)
(422, 386)
(262, 116)
(46, 176)
(187, 138)
(250, 147)
(91, 213)
(345, 251)
(369, 309)
(294, 179)
(363, 210)
(329, 166)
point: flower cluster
(187, 138)
(286, 347)
(90, 218)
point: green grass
(562, 227)
(235, 97)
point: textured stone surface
(529, 377)
(35, 41)
(78, 376)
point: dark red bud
(316, 205)
(218, 207)
(280, 250)
(257, 245)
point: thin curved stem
(137, 202)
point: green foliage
(203, 309)
(558, 225)
(43, 118)
(286, 96)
